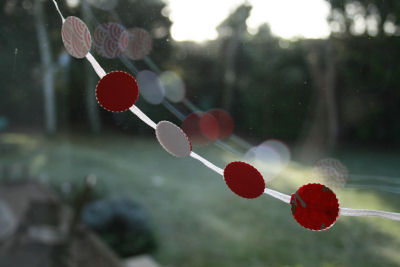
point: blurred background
(306, 91)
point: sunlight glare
(197, 20)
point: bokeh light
(281, 148)
(332, 172)
(225, 122)
(110, 39)
(150, 87)
(174, 86)
(139, 44)
(201, 128)
(266, 159)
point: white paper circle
(150, 87)
(173, 139)
(76, 37)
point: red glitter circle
(244, 180)
(117, 91)
(225, 122)
(315, 207)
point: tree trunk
(229, 75)
(330, 96)
(47, 67)
(91, 103)
(322, 132)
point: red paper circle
(244, 180)
(315, 207)
(117, 91)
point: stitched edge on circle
(107, 75)
(190, 143)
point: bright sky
(197, 19)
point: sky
(197, 20)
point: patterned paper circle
(315, 207)
(110, 39)
(140, 44)
(117, 91)
(173, 139)
(76, 37)
(244, 180)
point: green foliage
(199, 222)
(273, 92)
(369, 85)
(277, 88)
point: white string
(207, 163)
(96, 66)
(135, 110)
(278, 195)
(359, 212)
(59, 12)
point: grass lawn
(199, 222)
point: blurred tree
(92, 107)
(274, 88)
(375, 17)
(47, 67)
(231, 32)
(368, 99)
(322, 129)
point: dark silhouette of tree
(47, 68)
